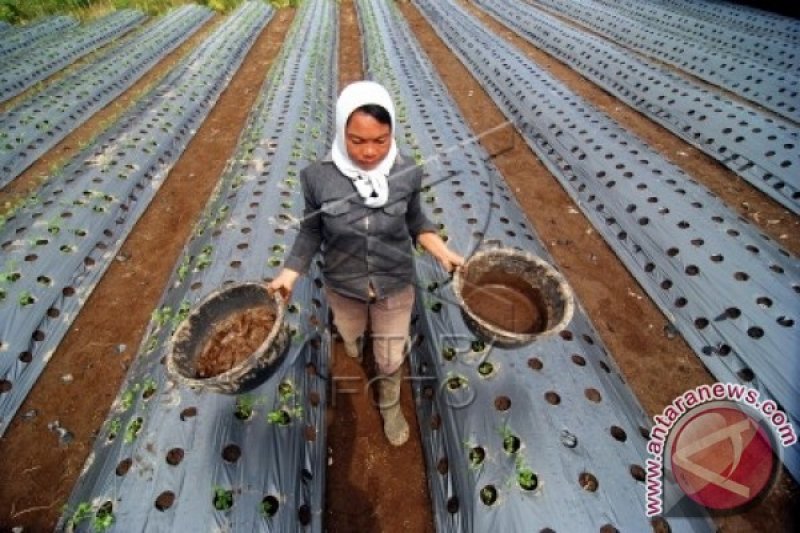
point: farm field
(183, 180)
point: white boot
(394, 423)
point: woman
(362, 209)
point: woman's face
(368, 141)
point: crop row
(773, 53)
(763, 150)
(774, 89)
(57, 247)
(738, 17)
(34, 126)
(18, 73)
(728, 289)
(14, 41)
(255, 460)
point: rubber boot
(394, 423)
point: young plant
(223, 498)
(83, 511)
(244, 406)
(511, 442)
(133, 429)
(103, 518)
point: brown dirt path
(657, 368)
(37, 475)
(371, 485)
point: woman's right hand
(283, 283)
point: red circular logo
(721, 457)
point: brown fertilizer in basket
(233, 340)
(506, 302)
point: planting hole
(165, 500)
(189, 412)
(442, 466)
(535, 363)
(488, 495)
(174, 456)
(552, 397)
(618, 433)
(476, 456)
(123, 466)
(452, 505)
(588, 482)
(502, 403)
(511, 443)
(637, 473)
(231, 453)
(304, 514)
(593, 395)
(269, 506)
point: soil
(371, 486)
(512, 307)
(233, 340)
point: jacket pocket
(335, 207)
(396, 208)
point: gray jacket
(360, 245)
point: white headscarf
(372, 185)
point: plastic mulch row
(57, 246)
(34, 126)
(774, 53)
(763, 150)
(512, 436)
(728, 289)
(176, 459)
(739, 17)
(773, 89)
(19, 73)
(16, 40)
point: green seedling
(269, 506)
(284, 415)
(456, 381)
(161, 316)
(181, 314)
(511, 442)
(527, 479)
(204, 258)
(104, 518)
(244, 406)
(485, 368)
(476, 456)
(223, 498)
(128, 397)
(113, 428)
(149, 388)
(133, 429)
(448, 353)
(83, 511)
(25, 299)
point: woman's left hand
(438, 249)
(450, 260)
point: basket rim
(504, 336)
(244, 366)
